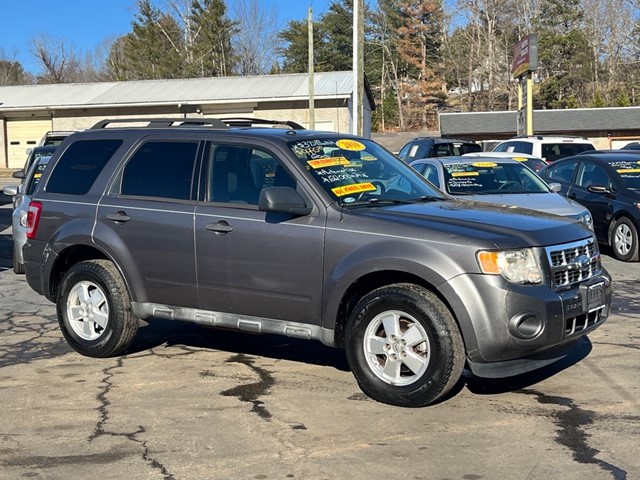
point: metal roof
(187, 91)
(568, 121)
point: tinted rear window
(554, 151)
(80, 165)
(454, 149)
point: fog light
(526, 326)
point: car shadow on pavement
(171, 333)
(494, 386)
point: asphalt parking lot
(187, 402)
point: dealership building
(27, 112)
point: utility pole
(358, 67)
(312, 113)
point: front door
(251, 262)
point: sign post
(525, 62)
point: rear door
(251, 262)
(148, 215)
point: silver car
(21, 197)
(499, 180)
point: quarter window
(161, 169)
(80, 165)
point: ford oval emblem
(582, 261)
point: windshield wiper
(425, 199)
(381, 201)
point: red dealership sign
(525, 56)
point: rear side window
(517, 147)
(161, 169)
(80, 165)
(554, 151)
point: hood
(475, 223)
(543, 202)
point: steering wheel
(509, 184)
(379, 185)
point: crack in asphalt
(103, 409)
(30, 349)
(253, 391)
(571, 432)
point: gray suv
(312, 235)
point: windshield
(629, 171)
(41, 164)
(357, 172)
(485, 178)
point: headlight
(586, 219)
(516, 266)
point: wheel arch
(74, 254)
(369, 282)
(617, 216)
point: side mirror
(18, 174)
(282, 200)
(10, 190)
(555, 187)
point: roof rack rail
(251, 122)
(163, 122)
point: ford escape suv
(313, 235)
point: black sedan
(608, 184)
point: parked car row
(599, 187)
(37, 161)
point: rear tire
(94, 310)
(624, 240)
(404, 346)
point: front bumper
(518, 328)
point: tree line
(421, 56)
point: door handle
(118, 217)
(220, 228)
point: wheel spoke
(375, 345)
(413, 336)
(414, 361)
(82, 290)
(392, 370)
(75, 313)
(391, 323)
(96, 298)
(87, 328)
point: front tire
(624, 240)
(94, 310)
(404, 346)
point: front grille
(572, 263)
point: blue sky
(87, 23)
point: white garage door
(23, 134)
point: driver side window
(592, 174)
(236, 174)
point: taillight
(33, 218)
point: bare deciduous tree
(57, 58)
(256, 42)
